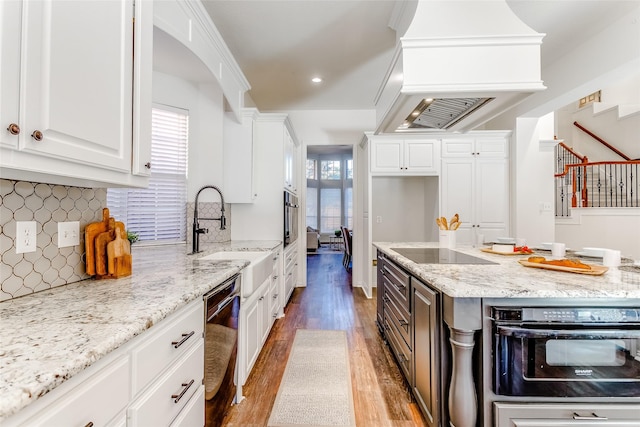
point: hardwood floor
(380, 395)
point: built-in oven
(222, 306)
(566, 351)
(290, 218)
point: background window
(330, 169)
(311, 169)
(158, 213)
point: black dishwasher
(222, 306)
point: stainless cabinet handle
(37, 135)
(275, 296)
(593, 416)
(260, 299)
(186, 386)
(89, 424)
(403, 322)
(14, 129)
(275, 315)
(185, 337)
(147, 165)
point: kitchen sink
(259, 268)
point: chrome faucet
(197, 231)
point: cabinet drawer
(566, 414)
(401, 351)
(397, 287)
(97, 399)
(193, 413)
(399, 317)
(158, 406)
(167, 344)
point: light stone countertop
(509, 279)
(49, 336)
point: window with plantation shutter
(158, 213)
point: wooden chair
(346, 239)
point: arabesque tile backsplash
(48, 204)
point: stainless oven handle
(567, 333)
(593, 416)
(223, 304)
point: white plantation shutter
(158, 213)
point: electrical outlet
(379, 219)
(25, 236)
(68, 234)
(545, 207)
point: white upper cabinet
(239, 158)
(405, 157)
(79, 79)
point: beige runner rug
(316, 385)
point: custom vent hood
(458, 65)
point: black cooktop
(439, 256)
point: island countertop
(509, 279)
(51, 335)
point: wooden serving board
(491, 251)
(596, 270)
(119, 256)
(91, 231)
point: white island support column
(463, 316)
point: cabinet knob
(147, 165)
(37, 135)
(14, 129)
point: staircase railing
(566, 156)
(599, 184)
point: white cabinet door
(77, 86)
(253, 338)
(421, 156)
(457, 193)
(491, 197)
(387, 157)
(264, 305)
(10, 24)
(239, 159)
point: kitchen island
(50, 336)
(457, 384)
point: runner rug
(316, 385)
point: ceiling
(281, 45)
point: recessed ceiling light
(316, 79)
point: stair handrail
(583, 159)
(580, 165)
(602, 141)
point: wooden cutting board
(91, 231)
(101, 248)
(119, 255)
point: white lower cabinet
(193, 413)
(290, 270)
(134, 384)
(566, 415)
(168, 395)
(97, 399)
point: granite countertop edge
(508, 279)
(52, 335)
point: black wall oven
(566, 352)
(290, 218)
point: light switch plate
(25, 236)
(68, 234)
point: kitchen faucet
(197, 231)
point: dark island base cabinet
(408, 316)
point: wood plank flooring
(380, 394)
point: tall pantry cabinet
(475, 184)
(75, 95)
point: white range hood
(458, 65)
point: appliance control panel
(568, 314)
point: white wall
(602, 228)
(205, 105)
(404, 209)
